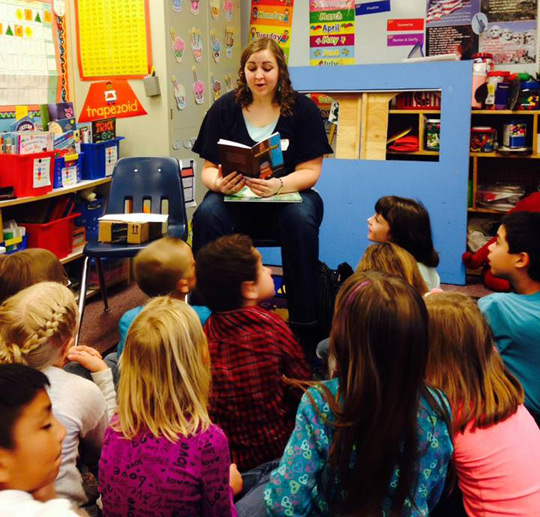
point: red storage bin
(56, 236)
(17, 171)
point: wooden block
(349, 127)
(375, 125)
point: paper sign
(381, 6)
(69, 176)
(111, 99)
(111, 157)
(41, 175)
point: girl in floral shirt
(374, 440)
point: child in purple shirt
(162, 456)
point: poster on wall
(331, 32)
(449, 27)
(505, 28)
(511, 31)
(113, 39)
(111, 99)
(31, 69)
(272, 19)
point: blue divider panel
(350, 188)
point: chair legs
(82, 295)
(82, 298)
(102, 284)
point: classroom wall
(148, 135)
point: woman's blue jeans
(294, 225)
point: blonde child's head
(165, 381)
(394, 260)
(165, 266)
(464, 363)
(28, 267)
(37, 325)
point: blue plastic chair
(142, 183)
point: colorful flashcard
(229, 41)
(179, 93)
(216, 87)
(272, 19)
(216, 46)
(196, 44)
(198, 87)
(178, 46)
(331, 32)
(214, 9)
(228, 7)
(41, 176)
(195, 6)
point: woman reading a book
(264, 103)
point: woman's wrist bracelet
(280, 186)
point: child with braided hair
(37, 326)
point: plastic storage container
(483, 139)
(99, 159)
(67, 170)
(90, 212)
(56, 236)
(28, 174)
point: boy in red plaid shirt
(251, 350)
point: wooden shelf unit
(56, 192)
(476, 165)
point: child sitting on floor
(514, 318)
(162, 456)
(30, 446)
(164, 267)
(251, 349)
(375, 439)
(37, 328)
(496, 441)
(406, 222)
(28, 267)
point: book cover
(45, 118)
(103, 130)
(63, 125)
(247, 195)
(30, 142)
(64, 141)
(61, 110)
(263, 160)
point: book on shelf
(247, 195)
(103, 130)
(263, 160)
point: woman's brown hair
(28, 267)
(285, 94)
(464, 363)
(394, 260)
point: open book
(246, 194)
(263, 160)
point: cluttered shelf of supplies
(55, 175)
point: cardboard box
(131, 228)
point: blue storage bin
(99, 159)
(74, 172)
(90, 212)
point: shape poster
(331, 32)
(113, 39)
(272, 19)
(29, 59)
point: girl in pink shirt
(496, 440)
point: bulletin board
(113, 39)
(33, 63)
